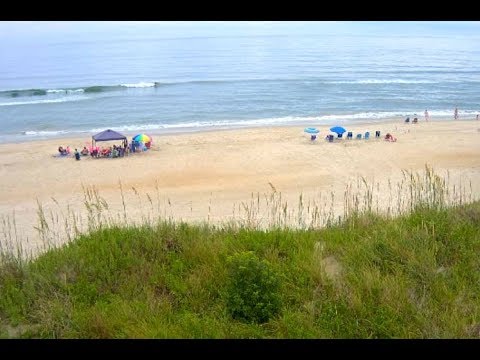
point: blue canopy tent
(108, 135)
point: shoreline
(323, 127)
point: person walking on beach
(477, 117)
(427, 116)
(455, 114)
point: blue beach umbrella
(310, 130)
(338, 129)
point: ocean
(154, 80)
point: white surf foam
(139, 85)
(44, 101)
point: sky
(60, 31)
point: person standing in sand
(427, 116)
(455, 114)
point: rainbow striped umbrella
(142, 138)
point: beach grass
(412, 273)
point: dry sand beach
(208, 175)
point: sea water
(170, 77)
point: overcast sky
(13, 31)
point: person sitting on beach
(407, 120)
(77, 155)
(62, 151)
(415, 121)
(84, 151)
(390, 137)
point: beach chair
(367, 135)
(359, 136)
(377, 134)
(349, 135)
(340, 136)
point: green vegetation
(412, 277)
(366, 276)
(253, 289)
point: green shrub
(253, 289)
